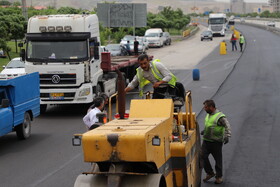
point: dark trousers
(214, 148)
(136, 50)
(241, 45)
(233, 43)
(160, 93)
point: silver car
(206, 35)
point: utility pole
(24, 9)
(54, 3)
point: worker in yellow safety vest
(216, 133)
(153, 72)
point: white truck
(217, 23)
(64, 49)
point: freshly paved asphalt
(245, 88)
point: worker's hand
(156, 85)
(226, 140)
(202, 132)
(127, 89)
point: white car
(271, 24)
(14, 68)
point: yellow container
(223, 48)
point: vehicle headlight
(3, 76)
(84, 92)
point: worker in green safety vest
(241, 42)
(215, 134)
(153, 72)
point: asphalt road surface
(250, 99)
(246, 91)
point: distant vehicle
(2, 54)
(19, 104)
(206, 35)
(141, 47)
(242, 20)
(217, 23)
(114, 49)
(167, 39)
(258, 17)
(271, 24)
(14, 68)
(154, 37)
(144, 40)
(126, 38)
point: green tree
(69, 10)
(5, 3)
(265, 14)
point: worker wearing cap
(215, 134)
(153, 72)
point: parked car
(154, 37)
(167, 39)
(114, 49)
(144, 40)
(271, 24)
(206, 35)
(126, 38)
(14, 68)
(141, 47)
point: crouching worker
(157, 74)
(91, 117)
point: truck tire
(24, 130)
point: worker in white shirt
(90, 118)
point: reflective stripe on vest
(213, 132)
(156, 73)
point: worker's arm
(132, 84)
(164, 72)
(86, 120)
(224, 122)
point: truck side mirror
(20, 44)
(5, 103)
(22, 55)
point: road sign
(122, 14)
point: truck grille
(58, 79)
(216, 28)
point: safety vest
(213, 132)
(156, 73)
(241, 40)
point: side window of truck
(2, 96)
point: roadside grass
(13, 54)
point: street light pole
(24, 9)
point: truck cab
(64, 49)
(217, 23)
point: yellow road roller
(156, 146)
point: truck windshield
(55, 51)
(216, 20)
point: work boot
(208, 177)
(219, 180)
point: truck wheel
(24, 130)
(43, 108)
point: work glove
(226, 140)
(202, 132)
